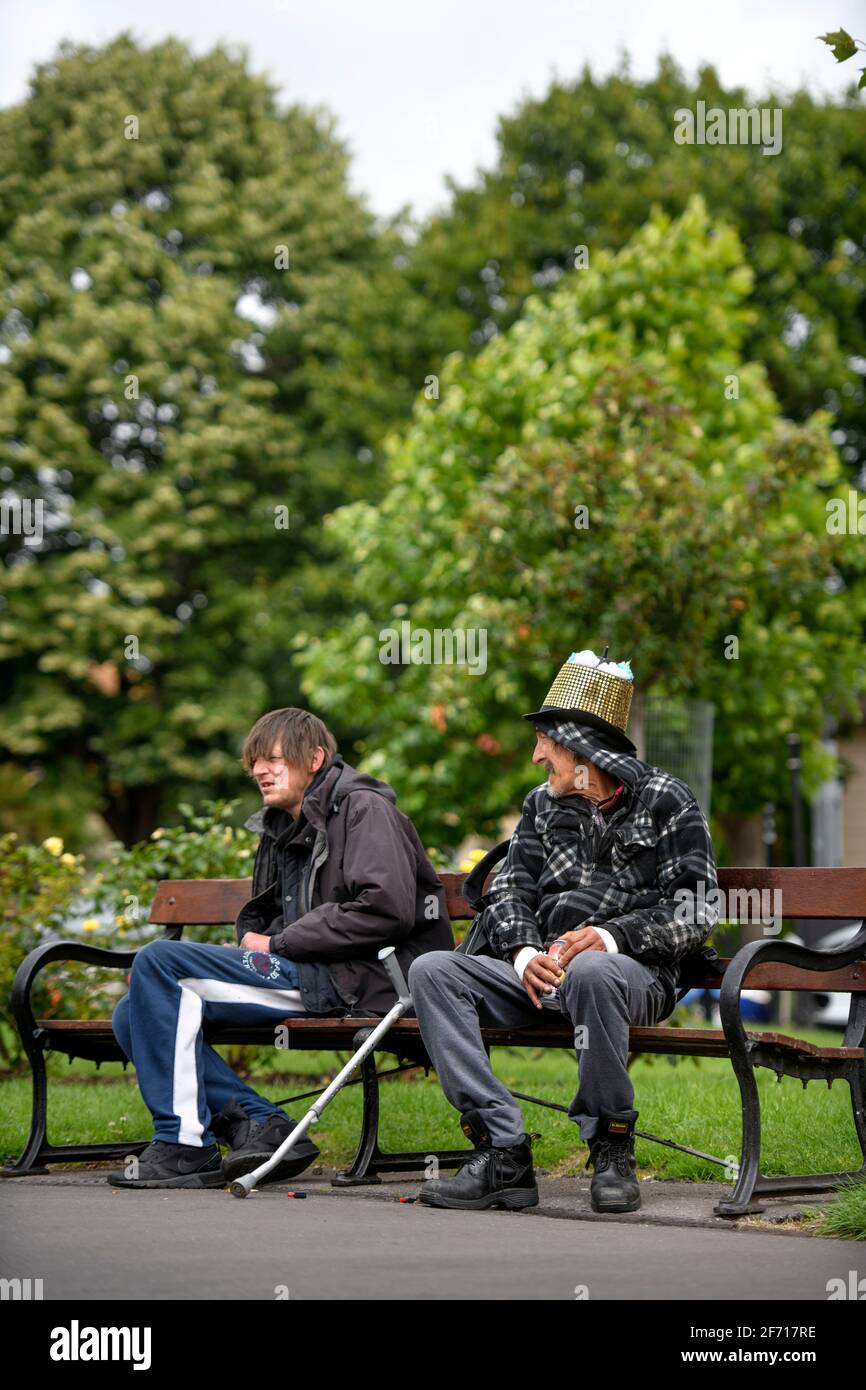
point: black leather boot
(493, 1177)
(614, 1186)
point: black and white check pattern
(567, 867)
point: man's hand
(255, 941)
(540, 972)
(584, 939)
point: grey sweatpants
(455, 995)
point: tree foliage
(585, 164)
(624, 391)
(199, 325)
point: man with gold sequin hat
(606, 891)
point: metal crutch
(241, 1186)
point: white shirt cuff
(609, 943)
(524, 955)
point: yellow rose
(90, 925)
(473, 857)
(158, 833)
(68, 858)
(53, 844)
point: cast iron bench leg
(740, 1202)
(857, 1082)
(368, 1144)
(369, 1160)
(750, 1187)
(28, 1162)
(37, 1151)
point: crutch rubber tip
(237, 1189)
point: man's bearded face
(568, 774)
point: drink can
(551, 1001)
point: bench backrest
(831, 894)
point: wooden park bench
(770, 964)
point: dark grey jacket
(367, 883)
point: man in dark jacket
(611, 869)
(338, 874)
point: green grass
(846, 1216)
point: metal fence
(676, 735)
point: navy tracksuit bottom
(175, 988)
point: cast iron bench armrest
(780, 953)
(50, 951)
(748, 1051)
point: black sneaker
(173, 1165)
(253, 1142)
(494, 1177)
(231, 1126)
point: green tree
(203, 335)
(584, 165)
(624, 392)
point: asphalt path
(89, 1241)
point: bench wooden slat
(689, 1041)
(821, 894)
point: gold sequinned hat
(593, 691)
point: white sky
(417, 87)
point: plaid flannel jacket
(644, 875)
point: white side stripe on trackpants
(193, 994)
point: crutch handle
(388, 957)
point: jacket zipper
(309, 879)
